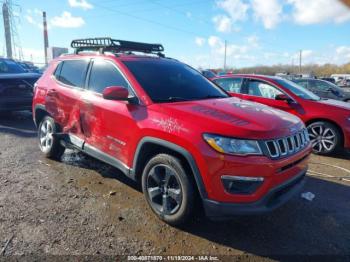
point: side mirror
(283, 97)
(116, 93)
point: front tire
(325, 137)
(48, 143)
(168, 189)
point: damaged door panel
(106, 123)
(63, 100)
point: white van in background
(338, 77)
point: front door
(265, 93)
(108, 125)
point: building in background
(53, 52)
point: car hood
(235, 117)
(336, 103)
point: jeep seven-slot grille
(288, 145)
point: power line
(178, 11)
(187, 3)
(146, 20)
(112, 10)
(174, 28)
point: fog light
(241, 185)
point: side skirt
(96, 153)
(74, 142)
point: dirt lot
(80, 206)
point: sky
(257, 32)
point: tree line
(314, 69)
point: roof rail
(103, 44)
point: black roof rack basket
(103, 44)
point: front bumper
(15, 103)
(274, 171)
(275, 198)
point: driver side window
(104, 74)
(262, 89)
(320, 85)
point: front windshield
(10, 67)
(297, 89)
(172, 81)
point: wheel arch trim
(178, 149)
(36, 108)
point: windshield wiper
(172, 99)
(212, 97)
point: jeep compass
(162, 123)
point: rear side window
(72, 72)
(230, 84)
(320, 85)
(104, 74)
(58, 70)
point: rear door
(108, 125)
(64, 95)
(265, 93)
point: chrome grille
(288, 145)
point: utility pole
(7, 29)
(300, 57)
(46, 37)
(225, 56)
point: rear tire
(325, 137)
(48, 143)
(168, 189)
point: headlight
(233, 146)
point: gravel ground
(80, 206)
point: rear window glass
(73, 72)
(8, 66)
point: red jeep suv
(165, 125)
(327, 120)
